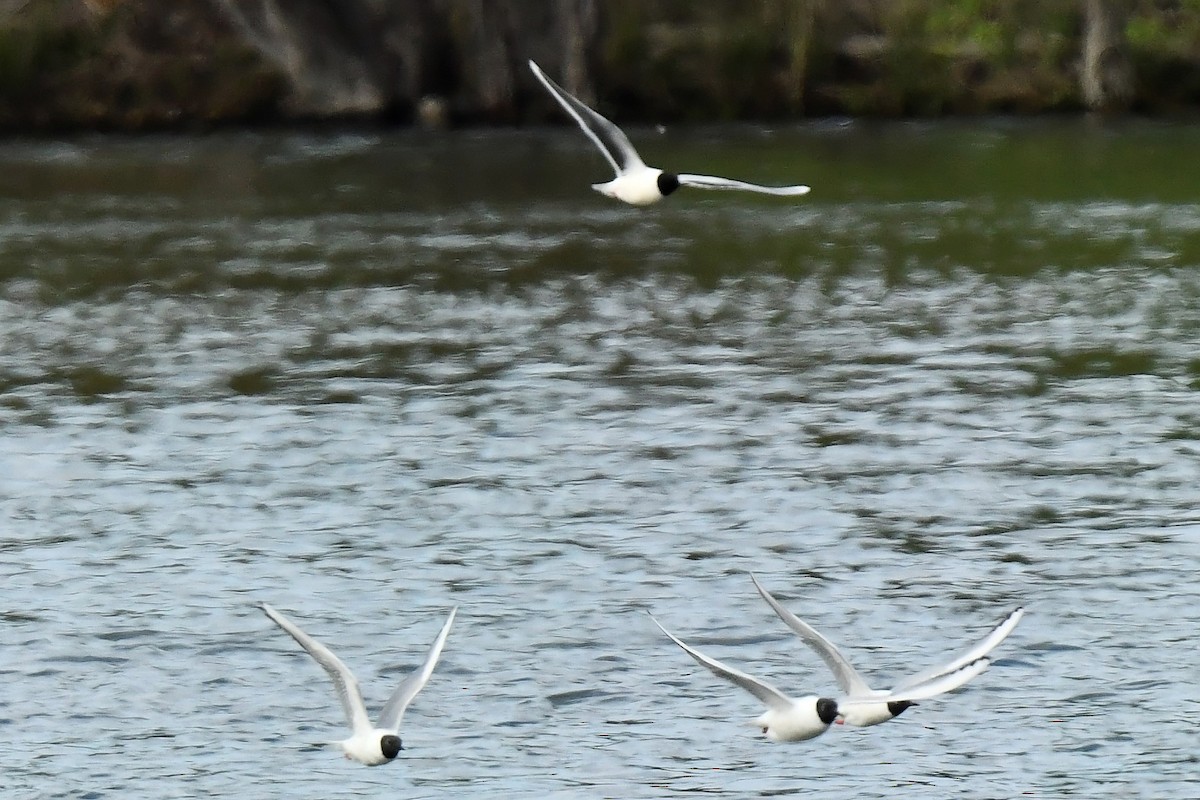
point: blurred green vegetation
(1164, 47)
(61, 67)
(145, 64)
(906, 57)
(37, 47)
(732, 60)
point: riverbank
(143, 65)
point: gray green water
(368, 377)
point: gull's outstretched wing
(394, 708)
(846, 676)
(760, 689)
(933, 687)
(712, 182)
(973, 653)
(343, 679)
(611, 141)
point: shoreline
(334, 127)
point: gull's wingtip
(1009, 623)
(762, 590)
(660, 625)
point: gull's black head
(667, 183)
(827, 710)
(389, 745)
(898, 707)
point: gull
(785, 720)
(788, 720)
(863, 706)
(636, 183)
(367, 745)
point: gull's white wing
(847, 678)
(763, 691)
(712, 182)
(976, 651)
(394, 708)
(611, 141)
(926, 689)
(343, 679)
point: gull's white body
(638, 187)
(367, 744)
(785, 720)
(866, 714)
(862, 706)
(796, 723)
(635, 183)
(364, 747)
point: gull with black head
(785, 720)
(368, 744)
(636, 183)
(862, 706)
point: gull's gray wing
(611, 141)
(846, 676)
(760, 689)
(973, 653)
(394, 708)
(713, 182)
(343, 679)
(932, 687)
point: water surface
(369, 377)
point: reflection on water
(369, 377)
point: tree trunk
(321, 59)
(1106, 78)
(580, 18)
(796, 19)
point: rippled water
(366, 378)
